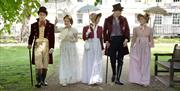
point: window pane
(158, 0)
(79, 18)
(118, 0)
(176, 0)
(158, 20)
(80, 0)
(176, 18)
(60, 18)
(137, 0)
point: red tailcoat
(108, 28)
(48, 33)
(91, 34)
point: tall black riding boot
(113, 66)
(44, 73)
(119, 70)
(38, 78)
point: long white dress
(69, 69)
(92, 62)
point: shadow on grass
(14, 69)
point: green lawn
(167, 40)
(14, 68)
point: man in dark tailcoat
(42, 40)
(116, 36)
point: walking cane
(30, 66)
(107, 65)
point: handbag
(86, 45)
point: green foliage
(97, 2)
(1, 88)
(15, 11)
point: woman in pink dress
(142, 41)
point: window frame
(118, 0)
(79, 18)
(158, 0)
(79, 0)
(176, 18)
(158, 19)
(138, 0)
(176, 0)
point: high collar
(93, 24)
(45, 20)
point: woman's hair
(69, 17)
(145, 16)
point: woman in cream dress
(69, 69)
(92, 58)
(142, 41)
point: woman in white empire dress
(69, 69)
(92, 58)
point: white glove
(51, 51)
(125, 43)
(87, 33)
(107, 44)
(151, 44)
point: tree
(17, 11)
(97, 2)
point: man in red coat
(116, 35)
(42, 40)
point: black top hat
(117, 7)
(42, 9)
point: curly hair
(145, 16)
(69, 17)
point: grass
(14, 69)
(167, 40)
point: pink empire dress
(140, 54)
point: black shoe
(44, 83)
(38, 85)
(119, 83)
(113, 78)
